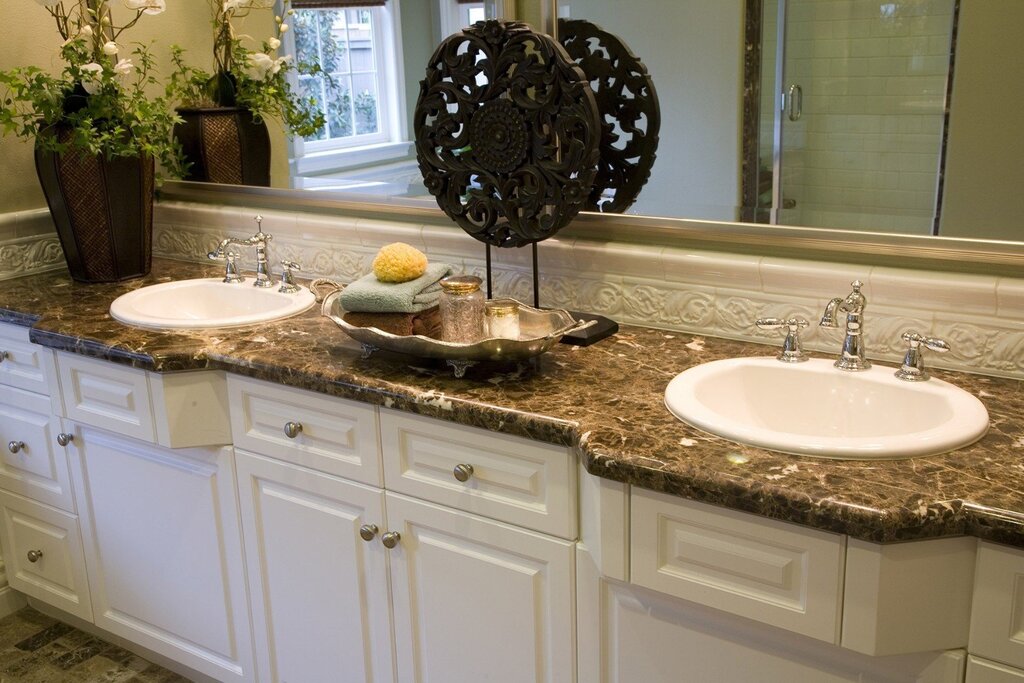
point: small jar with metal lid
(502, 319)
(462, 309)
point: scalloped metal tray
(539, 331)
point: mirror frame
(991, 257)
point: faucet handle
(913, 369)
(288, 285)
(792, 350)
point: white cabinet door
(319, 591)
(629, 634)
(478, 600)
(163, 549)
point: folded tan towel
(427, 323)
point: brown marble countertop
(605, 400)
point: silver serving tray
(539, 331)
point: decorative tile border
(28, 243)
(709, 293)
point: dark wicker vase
(103, 210)
(224, 145)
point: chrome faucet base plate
(852, 364)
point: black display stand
(604, 328)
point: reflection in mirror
(373, 54)
(863, 116)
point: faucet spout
(851, 357)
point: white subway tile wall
(698, 292)
(865, 154)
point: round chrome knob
(4, 355)
(15, 446)
(463, 472)
(390, 539)
(35, 555)
(292, 429)
(368, 531)
(64, 438)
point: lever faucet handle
(913, 369)
(231, 274)
(288, 285)
(792, 349)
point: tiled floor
(35, 648)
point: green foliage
(101, 104)
(253, 78)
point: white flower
(284, 28)
(259, 65)
(274, 43)
(147, 6)
(110, 48)
(92, 77)
(123, 70)
(85, 31)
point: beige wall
(693, 50)
(984, 192)
(31, 39)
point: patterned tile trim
(629, 284)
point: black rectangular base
(604, 328)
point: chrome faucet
(852, 356)
(259, 240)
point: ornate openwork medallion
(628, 104)
(507, 133)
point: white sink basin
(815, 409)
(191, 304)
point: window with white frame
(355, 47)
(458, 14)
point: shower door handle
(796, 102)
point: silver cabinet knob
(368, 531)
(390, 539)
(15, 446)
(463, 472)
(35, 555)
(4, 355)
(292, 429)
(64, 438)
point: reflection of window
(354, 47)
(457, 14)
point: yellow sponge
(399, 262)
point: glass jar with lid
(502, 319)
(462, 309)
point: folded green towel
(370, 295)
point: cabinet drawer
(39, 467)
(23, 364)
(177, 410)
(775, 573)
(997, 611)
(56, 575)
(105, 395)
(331, 434)
(511, 479)
(983, 671)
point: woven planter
(224, 145)
(103, 210)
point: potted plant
(223, 131)
(97, 134)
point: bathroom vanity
(262, 504)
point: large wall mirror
(882, 116)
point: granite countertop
(605, 400)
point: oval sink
(815, 409)
(208, 302)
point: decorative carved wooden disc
(507, 133)
(628, 103)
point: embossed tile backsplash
(28, 244)
(701, 292)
